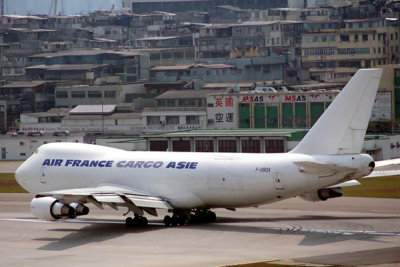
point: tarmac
(343, 231)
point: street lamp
(102, 116)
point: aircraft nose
(21, 175)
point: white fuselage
(187, 180)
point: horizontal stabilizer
(348, 183)
(321, 169)
(384, 168)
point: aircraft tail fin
(341, 128)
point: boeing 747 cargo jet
(67, 176)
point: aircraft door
(43, 175)
(279, 183)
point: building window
(365, 37)
(78, 94)
(191, 102)
(110, 94)
(227, 146)
(155, 56)
(181, 145)
(171, 103)
(204, 146)
(192, 119)
(158, 145)
(251, 146)
(94, 94)
(344, 38)
(274, 146)
(61, 94)
(153, 120)
(355, 38)
(172, 120)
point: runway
(343, 231)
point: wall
(21, 147)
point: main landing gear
(183, 217)
(179, 217)
(137, 221)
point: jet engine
(323, 194)
(49, 208)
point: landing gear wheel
(167, 220)
(143, 221)
(174, 220)
(203, 216)
(211, 217)
(137, 221)
(129, 222)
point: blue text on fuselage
(78, 163)
(120, 164)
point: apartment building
(71, 96)
(335, 49)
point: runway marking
(62, 221)
(293, 229)
(336, 232)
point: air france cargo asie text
(119, 164)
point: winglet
(341, 128)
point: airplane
(67, 176)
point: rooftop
(179, 94)
(23, 84)
(68, 67)
(54, 112)
(84, 52)
(92, 109)
(186, 67)
(232, 132)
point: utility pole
(2, 7)
(54, 4)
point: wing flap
(149, 202)
(108, 198)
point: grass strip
(381, 187)
(8, 184)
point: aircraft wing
(113, 196)
(322, 170)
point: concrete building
(250, 39)
(21, 97)
(21, 147)
(291, 14)
(236, 70)
(198, 74)
(132, 64)
(177, 111)
(266, 110)
(89, 120)
(246, 141)
(210, 6)
(365, 43)
(71, 96)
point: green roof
(291, 134)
